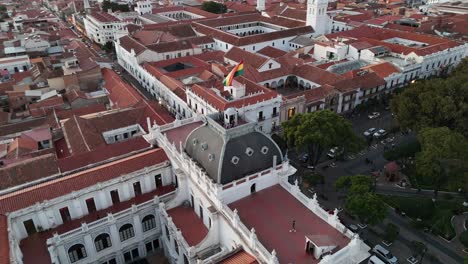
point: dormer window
(211, 157)
(235, 160)
(204, 146)
(264, 150)
(195, 141)
(249, 151)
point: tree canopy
(443, 157)
(317, 131)
(360, 200)
(107, 4)
(214, 7)
(436, 102)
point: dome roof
(226, 159)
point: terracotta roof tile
(240, 257)
(28, 171)
(271, 52)
(77, 181)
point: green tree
(442, 151)
(214, 7)
(356, 184)
(317, 131)
(313, 179)
(435, 103)
(418, 249)
(108, 47)
(107, 4)
(360, 200)
(368, 207)
(464, 238)
(391, 232)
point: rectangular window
(291, 112)
(30, 227)
(115, 196)
(65, 214)
(90, 205)
(201, 212)
(158, 180)
(137, 188)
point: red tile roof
(221, 103)
(45, 107)
(101, 154)
(28, 170)
(22, 126)
(271, 52)
(383, 69)
(271, 212)
(34, 247)
(4, 240)
(104, 17)
(128, 43)
(237, 54)
(124, 95)
(364, 82)
(191, 226)
(90, 109)
(376, 36)
(240, 257)
(316, 75)
(80, 180)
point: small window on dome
(264, 150)
(211, 157)
(235, 160)
(204, 146)
(195, 141)
(249, 151)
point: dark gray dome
(227, 161)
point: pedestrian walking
(293, 229)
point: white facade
(260, 5)
(103, 32)
(143, 7)
(15, 64)
(317, 16)
(46, 215)
(226, 229)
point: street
(356, 164)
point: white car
(384, 254)
(374, 115)
(370, 131)
(334, 152)
(380, 133)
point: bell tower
(317, 16)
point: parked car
(384, 254)
(334, 152)
(374, 115)
(380, 133)
(375, 260)
(353, 228)
(304, 157)
(370, 131)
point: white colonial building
(103, 27)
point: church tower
(86, 6)
(261, 5)
(317, 16)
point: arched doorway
(253, 188)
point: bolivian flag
(238, 70)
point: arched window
(148, 222)
(76, 252)
(126, 232)
(102, 242)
